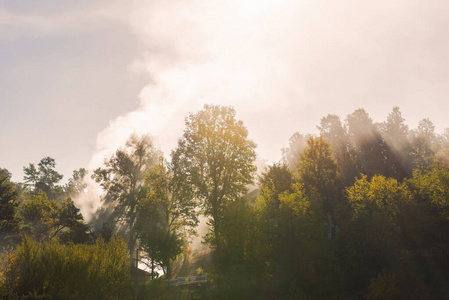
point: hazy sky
(77, 77)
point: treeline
(359, 211)
(48, 250)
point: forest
(358, 211)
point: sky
(78, 77)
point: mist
(283, 65)
(346, 197)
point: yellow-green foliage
(381, 195)
(433, 186)
(98, 271)
(295, 203)
(39, 215)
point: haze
(76, 79)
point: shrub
(51, 269)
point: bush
(53, 270)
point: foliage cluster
(360, 211)
(57, 271)
(166, 219)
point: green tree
(295, 207)
(295, 231)
(216, 157)
(245, 263)
(276, 180)
(167, 217)
(39, 216)
(443, 151)
(377, 236)
(333, 131)
(432, 186)
(76, 183)
(428, 233)
(396, 135)
(307, 227)
(381, 195)
(5, 173)
(8, 207)
(307, 267)
(318, 172)
(269, 213)
(395, 130)
(70, 223)
(369, 147)
(43, 178)
(423, 145)
(44, 219)
(122, 179)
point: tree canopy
(167, 217)
(44, 177)
(360, 211)
(216, 157)
(122, 179)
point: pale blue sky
(76, 77)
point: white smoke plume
(282, 64)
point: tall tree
(70, 224)
(5, 173)
(216, 157)
(333, 131)
(396, 132)
(44, 177)
(432, 187)
(167, 217)
(76, 183)
(377, 231)
(302, 248)
(291, 154)
(122, 179)
(370, 148)
(318, 172)
(423, 145)
(39, 216)
(277, 179)
(443, 151)
(8, 206)
(429, 226)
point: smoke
(89, 201)
(200, 52)
(281, 64)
